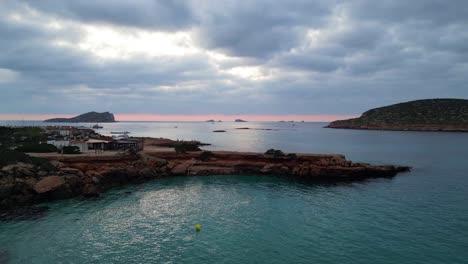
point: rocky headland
(445, 115)
(34, 179)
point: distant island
(240, 120)
(91, 117)
(447, 115)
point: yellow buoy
(198, 227)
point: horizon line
(170, 117)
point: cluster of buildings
(87, 140)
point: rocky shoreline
(24, 184)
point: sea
(416, 217)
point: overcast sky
(257, 57)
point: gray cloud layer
(277, 57)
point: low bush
(71, 150)
(186, 146)
(37, 148)
(8, 157)
(274, 152)
(206, 155)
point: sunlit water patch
(244, 219)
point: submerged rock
(4, 257)
(91, 191)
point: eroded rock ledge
(24, 184)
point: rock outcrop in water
(91, 117)
(448, 115)
(24, 184)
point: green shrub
(206, 155)
(71, 150)
(274, 152)
(6, 137)
(8, 157)
(37, 148)
(30, 132)
(186, 146)
(292, 155)
(11, 137)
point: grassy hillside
(431, 113)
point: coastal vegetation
(186, 146)
(8, 157)
(70, 150)
(420, 115)
(280, 154)
(206, 155)
(11, 137)
(274, 152)
(37, 148)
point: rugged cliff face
(422, 115)
(91, 117)
(24, 184)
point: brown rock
(25, 172)
(90, 191)
(268, 168)
(18, 168)
(49, 184)
(72, 171)
(210, 170)
(181, 169)
(275, 169)
(24, 165)
(57, 164)
(42, 173)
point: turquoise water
(416, 217)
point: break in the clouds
(295, 57)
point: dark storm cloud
(314, 56)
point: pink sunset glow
(260, 118)
(158, 117)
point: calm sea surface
(416, 217)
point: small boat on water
(97, 126)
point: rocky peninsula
(41, 177)
(32, 171)
(445, 115)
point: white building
(64, 132)
(97, 144)
(59, 143)
(83, 145)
